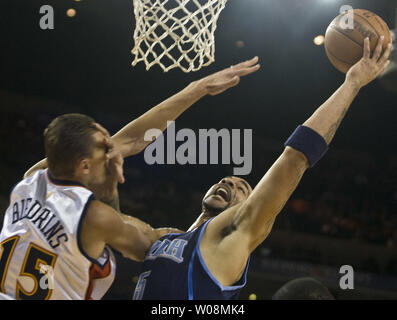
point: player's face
(226, 193)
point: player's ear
(83, 167)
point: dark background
(343, 212)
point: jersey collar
(63, 182)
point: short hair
(303, 289)
(67, 140)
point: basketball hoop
(176, 33)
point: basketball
(344, 39)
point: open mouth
(223, 192)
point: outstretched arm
(249, 223)
(130, 139)
(275, 188)
(153, 233)
(38, 166)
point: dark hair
(303, 289)
(68, 139)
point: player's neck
(67, 178)
(203, 218)
(200, 220)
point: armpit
(229, 229)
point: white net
(176, 33)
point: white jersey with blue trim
(40, 252)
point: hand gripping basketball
(370, 67)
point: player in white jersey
(56, 238)
(41, 229)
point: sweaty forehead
(245, 183)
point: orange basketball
(344, 39)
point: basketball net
(176, 33)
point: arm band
(309, 142)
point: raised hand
(115, 159)
(230, 77)
(370, 67)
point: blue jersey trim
(222, 287)
(190, 277)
